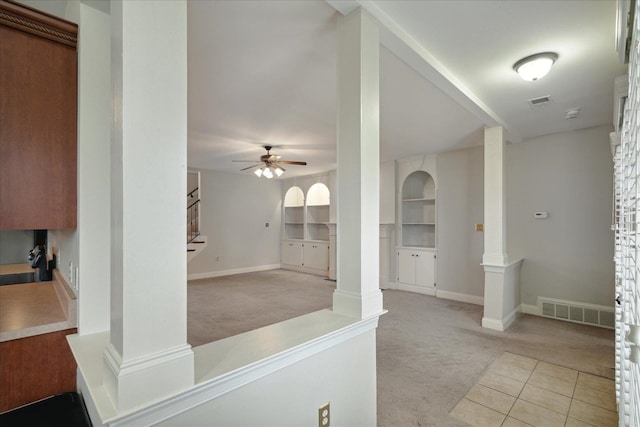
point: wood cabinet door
(38, 110)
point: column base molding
(356, 305)
(138, 381)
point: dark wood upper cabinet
(38, 120)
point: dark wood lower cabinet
(35, 367)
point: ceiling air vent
(540, 102)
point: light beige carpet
(431, 351)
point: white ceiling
(264, 72)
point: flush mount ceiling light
(535, 66)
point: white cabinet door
(425, 263)
(406, 266)
(316, 255)
(292, 253)
(416, 267)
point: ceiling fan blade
(252, 166)
(289, 162)
(279, 166)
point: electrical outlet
(217, 258)
(324, 416)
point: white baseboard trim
(471, 299)
(324, 273)
(530, 309)
(392, 285)
(209, 274)
(501, 325)
(417, 289)
(494, 324)
(507, 321)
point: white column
(358, 172)
(332, 251)
(148, 357)
(501, 277)
(495, 224)
(385, 252)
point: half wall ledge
(220, 366)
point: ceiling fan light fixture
(279, 172)
(536, 66)
(258, 172)
(267, 173)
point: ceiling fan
(269, 164)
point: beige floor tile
(491, 398)
(592, 414)
(519, 361)
(506, 369)
(536, 415)
(603, 399)
(512, 422)
(594, 381)
(557, 371)
(545, 398)
(477, 415)
(552, 384)
(501, 383)
(572, 422)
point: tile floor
(520, 391)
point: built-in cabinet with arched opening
(417, 224)
(419, 210)
(294, 214)
(306, 236)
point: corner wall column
(358, 294)
(501, 278)
(148, 357)
(495, 212)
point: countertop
(29, 309)
(15, 269)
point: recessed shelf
(418, 210)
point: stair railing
(193, 217)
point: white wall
(94, 172)
(292, 395)
(569, 255)
(15, 246)
(460, 202)
(388, 192)
(234, 210)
